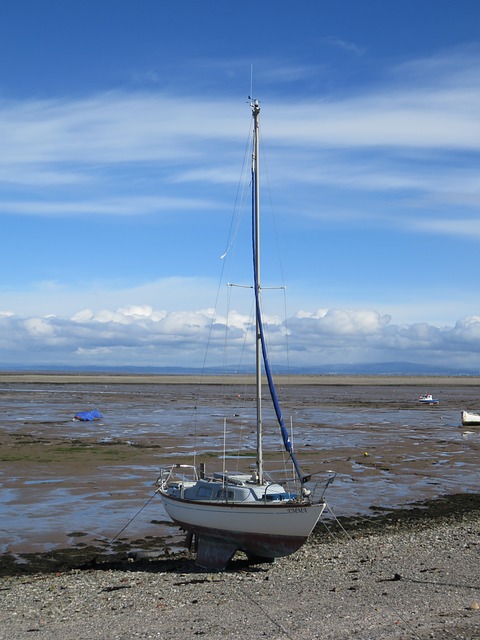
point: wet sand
(188, 379)
(78, 487)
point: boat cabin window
(204, 492)
(223, 494)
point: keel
(214, 554)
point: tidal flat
(71, 486)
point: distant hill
(379, 368)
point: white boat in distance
(470, 419)
(428, 399)
(227, 512)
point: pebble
(417, 582)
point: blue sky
(123, 128)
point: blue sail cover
(278, 410)
(87, 416)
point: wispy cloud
(344, 45)
(84, 142)
(400, 155)
(453, 227)
(114, 207)
(118, 127)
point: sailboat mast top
(256, 258)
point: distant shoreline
(209, 379)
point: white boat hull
(428, 399)
(469, 418)
(266, 531)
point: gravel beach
(408, 574)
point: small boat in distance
(224, 512)
(470, 419)
(428, 399)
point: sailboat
(226, 512)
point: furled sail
(278, 410)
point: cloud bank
(143, 336)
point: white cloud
(111, 127)
(342, 322)
(344, 45)
(454, 227)
(39, 328)
(114, 207)
(145, 336)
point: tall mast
(256, 259)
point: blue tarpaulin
(86, 416)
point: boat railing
(322, 486)
(177, 474)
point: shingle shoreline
(407, 574)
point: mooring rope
(112, 540)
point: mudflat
(74, 486)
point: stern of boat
(176, 478)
